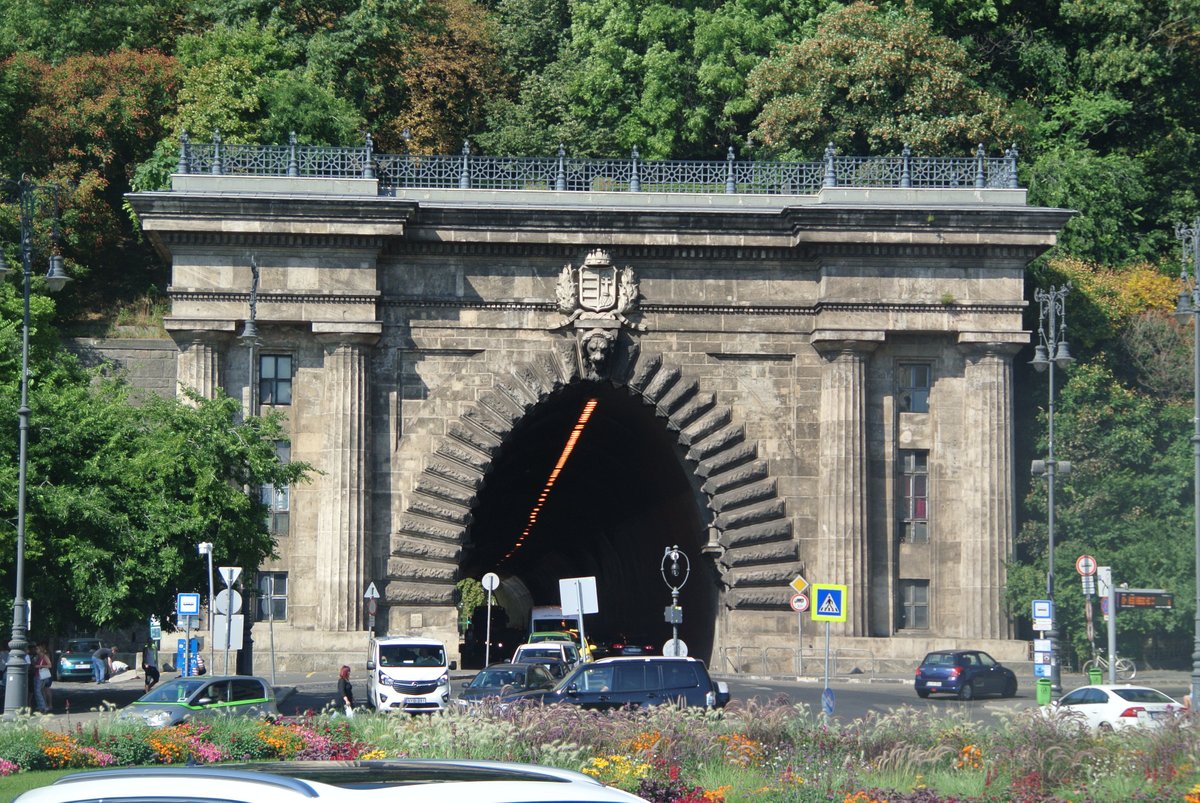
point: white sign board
(222, 626)
(230, 574)
(187, 604)
(576, 591)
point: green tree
(118, 493)
(871, 80)
(1127, 501)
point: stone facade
(770, 345)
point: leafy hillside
(1101, 97)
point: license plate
(934, 683)
(413, 700)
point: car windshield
(495, 678)
(411, 655)
(82, 645)
(939, 659)
(173, 691)
(1135, 695)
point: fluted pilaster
(842, 484)
(987, 466)
(198, 366)
(342, 519)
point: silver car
(393, 781)
(196, 697)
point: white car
(394, 781)
(1104, 707)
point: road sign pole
(487, 645)
(800, 643)
(826, 656)
(1112, 632)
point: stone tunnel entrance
(621, 495)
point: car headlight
(158, 719)
(384, 680)
(444, 679)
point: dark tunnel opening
(623, 496)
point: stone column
(842, 484)
(987, 466)
(202, 347)
(341, 548)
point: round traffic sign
(490, 581)
(227, 598)
(675, 648)
(1085, 565)
(372, 606)
(799, 603)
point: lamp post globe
(30, 197)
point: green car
(189, 698)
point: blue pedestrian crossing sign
(829, 602)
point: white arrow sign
(230, 574)
(372, 592)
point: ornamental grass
(748, 752)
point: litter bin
(1044, 690)
(1095, 676)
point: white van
(407, 673)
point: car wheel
(966, 691)
(1010, 688)
(1105, 727)
(922, 693)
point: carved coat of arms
(596, 297)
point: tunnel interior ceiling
(623, 496)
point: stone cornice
(273, 297)
(272, 240)
(718, 309)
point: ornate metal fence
(571, 174)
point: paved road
(854, 696)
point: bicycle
(1126, 669)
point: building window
(275, 379)
(277, 498)
(272, 595)
(914, 496)
(914, 604)
(913, 382)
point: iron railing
(573, 174)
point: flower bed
(744, 753)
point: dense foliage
(1100, 97)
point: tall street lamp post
(30, 196)
(1052, 351)
(1189, 305)
(206, 548)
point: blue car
(965, 673)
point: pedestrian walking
(346, 691)
(43, 678)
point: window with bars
(272, 596)
(913, 381)
(275, 379)
(914, 496)
(277, 498)
(914, 604)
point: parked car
(627, 681)
(1110, 708)
(392, 780)
(966, 673)
(188, 698)
(557, 669)
(500, 681)
(564, 651)
(75, 659)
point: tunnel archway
(682, 432)
(622, 494)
